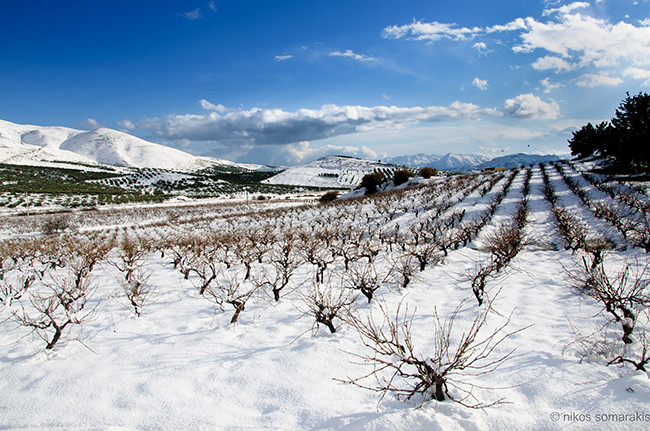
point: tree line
(624, 138)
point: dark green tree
(371, 181)
(428, 172)
(401, 176)
(629, 144)
(590, 140)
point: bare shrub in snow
(283, 261)
(641, 359)
(313, 248)
(52, 225)
(131, 252)
(230, 289)
(439, 370)
(623, 294)
(403, 266)
(362, 276)
(57, 305)
(505, 243)
(327, 304)
(137, 289)
(571, 228)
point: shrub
(441, 372)
(328, 197)
(55, 225)
(428, 172)
(371, 181)
(401, 176)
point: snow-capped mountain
(467, 162)
(26, 144)
(448, 162)
(515, 160)
(330, 171)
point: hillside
(330, 172)
(65, 147)
(448, 162)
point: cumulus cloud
(568, 36)
(637, 73)
(90, 124)
(349, 54)
(566, 8)
(430, 31)
(598, 80)
(258, 126)
(529, 106)
(588, 40)
(481, 47)
(481, 84)
(212, 107)
(550, 86)
(552, 62)
(127, 124)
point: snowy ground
(183, 365)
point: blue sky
(289, 81)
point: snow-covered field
(182, 364)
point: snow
(511, 161)
(39, 145)
(468, 162)
(182, 365)
(447, 162)
(329, 172)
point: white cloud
(349, 54)
(637, 73)
(193, 14)
(529, 106)
(90, 124)
(552, 62)
(127, 124)
(549, 86)
(213, 6)
(278, 127)
(563, 10)
(588, 40)
(283, 57)
(515, 25)
(430, 31)
(212, 107)
(481, 84)
(481, 47)
(568, 37)
(598, 80)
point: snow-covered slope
(448, 162)
(27, 144)
(515, 160)
(116, 148)
(330, 171)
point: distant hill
(448, 162)
(331, 171)
(36, 145)
(467, 162)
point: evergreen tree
(631, 141)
